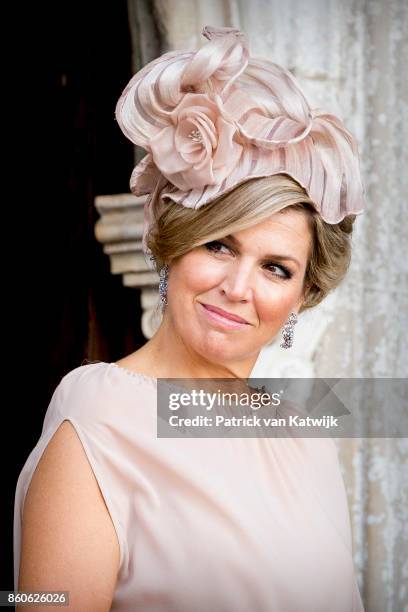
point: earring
(164, 272)
(288, 331)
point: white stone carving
(120, 230)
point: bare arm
(68, 540)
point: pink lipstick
(223, 318)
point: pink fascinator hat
(214, 118)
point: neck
(168, 356)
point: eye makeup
(214, 245)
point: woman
(252, 199)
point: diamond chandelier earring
(288, 331)
(163, 279)
(164, 273)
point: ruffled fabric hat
(214, 118)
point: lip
(222, 317)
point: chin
(218, 348)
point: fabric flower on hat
(197, 148)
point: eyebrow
(276, 256)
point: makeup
(219, 320)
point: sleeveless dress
(220, 524)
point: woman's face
(257, 275)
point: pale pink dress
(205, 524)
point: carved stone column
(120, 230)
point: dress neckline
(133, 373)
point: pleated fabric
(214, 118)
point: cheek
(194, 275)
(273, 306)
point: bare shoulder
(68, 540)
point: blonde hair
(177, 229)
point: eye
(286, 272)
(214, 246)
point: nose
(237, 282)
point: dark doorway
(73, 61)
